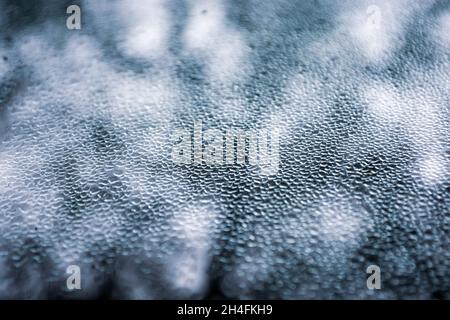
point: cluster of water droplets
(86, 175)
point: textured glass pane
(236, 149)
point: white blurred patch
(70, 74)
(432, 169)
(420, 110)
(340, 224)
(377, 27)
(442, 32)
(384, 103)
(208, 35)
(193, 227)
(148, 27)
(141, 27)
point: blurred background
(359, 91)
